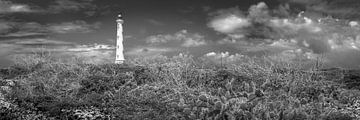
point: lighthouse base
(119, 61)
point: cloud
(48, 7)
(337, 8)
(318, 36)
(96, 53)
(229, 23)
(181, 38)
(5, 27)
(172, 44)
(228, 20)
(39, 41)
(33, 45)
(21, 37)
(93, 53)
(234, 39)
(261, 25)
(10, 7)
(283, 10)
(70, 5)
(223, 57)
(155, 22)
(11, 30)
(15, 47)
(258, 23)
(21, 29)
(197, 40)
(234, 23)
(354, 23)
(259, 13)
(294, 55)
(96, 57)
(17, 38)
(82, 48)
(73, 27)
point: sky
(279, 29)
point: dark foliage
(176, 89)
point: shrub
(338, 116)
(173, 88)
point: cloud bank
(30, 29)
(10, 7)
(181, 38)
(344, 9)
(92, 53)
(20, 35)
(261, 26)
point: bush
(173, 88)
(338, 116)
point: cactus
(203, 98)
(225, 104)
(259, 93)
(218, 105)
(187, 111)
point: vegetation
(41, 87)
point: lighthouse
(119, 41)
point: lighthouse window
(118, 46)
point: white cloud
(294, 55)
(210, 54)
(353, 23)
(28, 29)
(301, 23)
(223, 57)
(259, 24)
(94, 47)
(73, 27)
(20, 8)
(10, 7)
(234, 39)
(229, 24)
(157, 39)
(54, 7)
(5, 27)
(95, 56)
(22, 29)
(289, 44)
(193, 43)
(335, 44)
(39, 41)
(182, 38)
(72, 6)
(321, 35)
(96, 53)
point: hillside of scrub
(180, 87)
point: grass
(181, 87)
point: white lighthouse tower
(119, 41)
